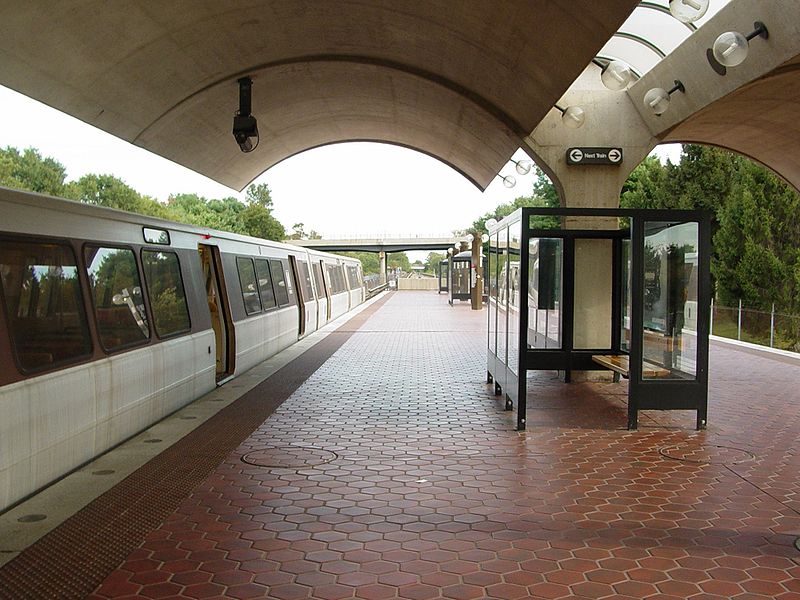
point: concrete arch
(463, 81)
(760, 120)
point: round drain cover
(715, 455)
(288, 457)
(32, 518)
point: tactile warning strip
(73, 559)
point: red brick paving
(433, 495)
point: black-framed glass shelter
(444, 275)
(625, 290)
(461, 277)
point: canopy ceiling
(462, 81)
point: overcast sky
(358, 188)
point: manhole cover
(289, 457)
(715, 455)
(32, 518)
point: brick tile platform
(392, 472)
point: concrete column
(477, 269)
(611, 121)
(382, 256)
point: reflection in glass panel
(44, 304)
(279, 282)
(544, 292)
(670, 299)
(491, 273)
(162, 275)
(247, 279)
(625, 321)
(117, 294)
(514, 246)
(265, 284)
(502, 295)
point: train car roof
(35, 199)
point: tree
(29, 171)
(259, 222)
(370, 261)
(432, 262)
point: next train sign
(594, 156)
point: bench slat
(621, 364)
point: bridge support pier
(382, 256)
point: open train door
(301, 301)
(220, 310)
(327, 291)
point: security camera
(245, 132)
(245, 127)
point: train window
(265, 284)
(117, 295)
(333, 279)
(279, 282)
(247, 279)
(156, 236)
(352, 273)
(317, 270)
(162, 276)
(305, 281)
(44, 304)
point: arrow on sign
(614, 155)
(575, 155)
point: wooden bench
(620, 363)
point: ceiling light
(730, 49)
(523, 166)
(616, 75)
(657, 99)
(572, 116)
(688, 11)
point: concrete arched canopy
(462, 81)
(760, 120)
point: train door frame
(301, 301)
(224, 333)
(327, 287)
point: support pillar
(383, 272)
(476, 274)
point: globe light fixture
(509, 181)
(730, 48)
(491, 223)
(523, 166)
(572, 117)
(485, 238)
(657, 99)
(470, 238)
(616, 75)
(688, 11)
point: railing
(773, 329)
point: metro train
(110, 321)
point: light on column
(731, 48)
(688, 11)
(657, 99)
(572, 116)
(616, 75)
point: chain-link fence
(773, 329)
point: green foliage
(544, 194)
(30, 171)
(756, 221)
(432, 262)
(370, 261)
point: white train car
(110, 321)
